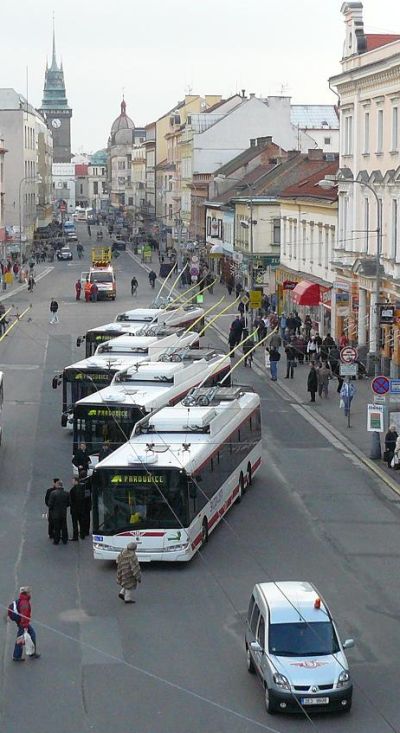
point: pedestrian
(3, 322)
(94, 291)
(291, 323)
(76, 508)
(229, 285)
(54, 311)
(134, 286)
(235, 333)
(128, 572)
(290, 352)
(261, 330)
(105, 450)
(238, 289)
(58, 505)
(297, 321)
(24, 612)
(274, 357)
(87, 290)
(247, 346)
(89, 231)
(343, 341)
(275, 340)
(312, 349)
(307, 326)
(282, 325)
(390, 444)
(50, 521)
(300, 346)
(312, 381)
(152, 278)
(78, 289)
(81, 458)
(86, 496)
(395, 462)
(31, 282)
(324, 373)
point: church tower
(55, 109)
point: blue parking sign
(395, 386)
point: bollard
(375, 452)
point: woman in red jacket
(24, 624)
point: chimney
(267, 140)
(252, 142)
(243, 93)
(315, 154)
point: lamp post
(328, 183)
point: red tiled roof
(308, 186)
(376, 40)
(81, 169)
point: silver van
(293, 645)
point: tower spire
(54, 60)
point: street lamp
(329, 183)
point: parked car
(64, 254)
(72, 236)
(118, 245)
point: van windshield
(303, 639)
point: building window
(95, 187)
(284, 236)
(311, 255)
(81, 188)
(304, 241)
(130, 201)
(320, 244)
(348, 135)
(104, 187)
(170, 211)
(395, 128)
(344, 222)
(326, 249)
(379, 130)
(327, 141)
(366, 223)
(276, 235)
(295, 239)
(366, 133)
(393, 253)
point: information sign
(255, 299)
(395, 386)
(375, 415)
(348, 370)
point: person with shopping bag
(26, 635)
(395, 462)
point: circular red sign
(348, 354)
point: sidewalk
(327, 410)
(40, 270)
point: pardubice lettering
(142, 478)
(107, 412)
(82, 375)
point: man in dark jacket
(290, 352)
(312, 382)
(81, 457)
(274, 357)
(76, 503)
(86, 503)
(58, 505)
(49, 491)
(235, 333)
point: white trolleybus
(170, 315)
(111, 413)
(98, 335)
(172, 483)
(89, 375)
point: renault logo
(314, 689)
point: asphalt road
(174, 662)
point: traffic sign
(244, 299)
(395, 386)
(380, 385)
(255, 299)
(348, 354)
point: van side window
(251, 606)
(254, 618)
(261, 632)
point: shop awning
(306, 293)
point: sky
(155, 51)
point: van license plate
(314, 700)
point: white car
(64, 254)
(293, 644)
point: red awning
(306, 293)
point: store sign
(342, 298)
(271, 260)
(326, 296)
(386, 314)
(289, 284)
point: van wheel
(249, 475)
(269, 706)
(204, 532)
(250, 664)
